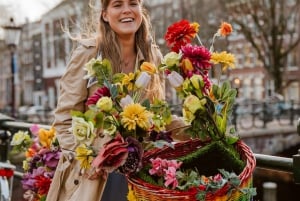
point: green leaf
(103, 70)
(221, 123)
(146, 103)
(76, 113)
(114, 91)
(99, 118)
(231, 139)
(117, 78)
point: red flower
(103, 91)
(42, 184)
(112, 155)
(199, 57)
(180, 33)
(202, 187)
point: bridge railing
(254, 114)
(290, 165)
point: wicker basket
(148, 192)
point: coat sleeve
(73, 94)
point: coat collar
(91, 42)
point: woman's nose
(126, 8)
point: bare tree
(272, 27)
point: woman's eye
(134, 3)
(116, 5)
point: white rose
(109, 127)
(89, 68)
(19, 138)
(171, 59)
(83, 130)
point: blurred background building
(44, 48)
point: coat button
(76, 182)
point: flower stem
(199, 40)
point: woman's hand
(96, 174)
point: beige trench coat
(68, 184)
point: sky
(22, 9)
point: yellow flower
(188, 116)
(223, 58)
(46, 136)
(105, 104)
(131, 195)
(136, 115)
(192, 103)
(128, 80)
(25, 165)
(84, 155)
(197, 81)
(148, 67)
(195, 26)
(186, 86)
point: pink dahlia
(199, 57)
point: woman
(124, 38)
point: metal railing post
(265, 115)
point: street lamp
(11, 37)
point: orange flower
(148, 67)
(187, 66)
(30, 152)
(225, 29)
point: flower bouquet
(42, 155)
(119, 111)
(214, 164)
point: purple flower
(51, 158)
(162, 135)
(134, 159)
(28, 182)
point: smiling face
(123, 16)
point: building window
(59, 43)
